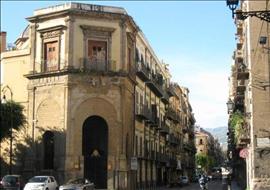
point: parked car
(78, 184)
(183, 180)
(41, 183)
(12, 182)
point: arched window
(48, 143)
(201, 141)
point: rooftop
(79, 6)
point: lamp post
(242, 15)
(11, 124)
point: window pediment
(52, 31)
(89, 30)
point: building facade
(98, 101)
(249, 121)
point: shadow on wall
(43, 156)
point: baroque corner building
(96, 97)
(249, 143)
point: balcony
(239, 45)
(241, 86)
(171, 114)
(142, 71)
(187, 146)
(173, 140)
(153, 155)
(161, 157)
(173, 163)
(90, 65)
(156, 84)
(163, 129)
(142, 112)
(242, 72)
(171, 90)
(165, 98)
(155, 122)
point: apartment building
(249, 121)
(99, 103)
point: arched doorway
(95, 150)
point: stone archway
(95, 150)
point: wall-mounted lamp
(230, 105)
(242, 15)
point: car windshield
(38, 180)
(10, 179)
(76, 181)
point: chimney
(3, 41)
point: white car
(41, 183)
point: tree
(202, 160)
(11, 117)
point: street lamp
(242, 15)
(4, 90)
(230, 105)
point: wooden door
(97, 55)
(51, 56)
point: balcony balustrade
(173, 163)
(171, 114)
(161, 157)
(171, 90)
(173, 140)
(143, 112)
(163, 128)
(95, 65)
(153, 155)
(156, 84)
(241, 86)
(165, 98)
(142, 71)
(242, 72)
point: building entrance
(95, 150)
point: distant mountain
(221, 134)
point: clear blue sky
(196, 38)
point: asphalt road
(212, 185)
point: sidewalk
(234, 186)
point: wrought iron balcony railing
(142, 71)
(143, 112)
(156, 84)
(95, 65)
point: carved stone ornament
(51, 34)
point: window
(52, 180)
(51, 56)
(97, 55)
(48, 155)
(201, 141)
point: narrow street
(213, 185)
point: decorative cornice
(54, 28)
(97, 28)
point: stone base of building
(260, 184)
